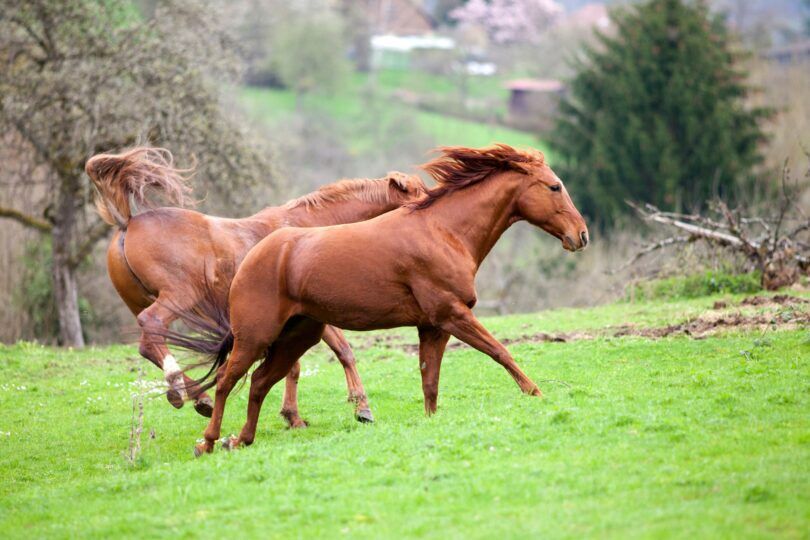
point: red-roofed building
(533, 102)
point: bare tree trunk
(65, 287)
(66, 296)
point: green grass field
(635, 438)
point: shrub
(696, 285)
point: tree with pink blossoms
(509, 21)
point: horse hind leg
(336, 341)
(297, 338)
(154, 322)
(289, 404)
(237, 365)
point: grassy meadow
(635, 438)
(353, 105)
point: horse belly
(358, 302)
(362, 317)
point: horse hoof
(230, 443)
(364, 416)
(201, 449)
(204, 406)
(174, 397)
(298, 423)
(536, 392)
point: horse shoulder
(443, 281)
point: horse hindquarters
(131, 291)
(154, 317)
(258, 315)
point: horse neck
(479, 214)
(335, 213)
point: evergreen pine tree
(657, 113)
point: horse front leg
(462, 324)
(154, 322)
(336, 341)
(432, 342)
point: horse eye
(555, 187)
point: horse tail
(225, 347)
(210, 335)
(129, 177)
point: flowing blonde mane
(458, 167)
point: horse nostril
(584, 237)
(568, 242)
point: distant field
(270, 106)
(635, 438)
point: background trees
(79, 77)
(509, 21)
(316, 35)
(657, 113)
(661, 112)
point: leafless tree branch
(24, 219)
(779, 256)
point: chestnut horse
(168, 260)
(373, 274)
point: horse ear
(398, 180)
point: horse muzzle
(579, 244)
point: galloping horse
(168, 260)
(414, 266)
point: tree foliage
(309, 49)
(79, 77)
(657, 113)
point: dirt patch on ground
(698, 328)
(707, 325)
(779, 300)
(782, 315)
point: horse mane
(458, 167)
(369, 190)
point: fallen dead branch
(780, 253)
(136, 422)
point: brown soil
(779, 299)
(701, 327)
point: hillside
(644, 431)
(351, 106)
